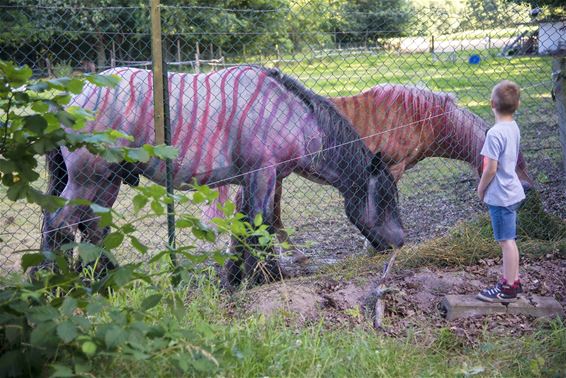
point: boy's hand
(481, 193)
(489, 170)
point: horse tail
(57, 180)
(57, 171)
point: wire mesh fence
(284, 106)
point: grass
(271, 347)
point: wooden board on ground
(458, 306)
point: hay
(539, 235)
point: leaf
(138, 245)
(157, 207)
(62, 371)
(17, 191)
(96, 305)
(228, 208)
(114, 336)
(43, 334)
(66, 119)
(88, 252)
(35, 123)
(112, 155)
(68, 307)
(151, 301)
(198, 197)
(42, 314)
(98, 210)
(81, 322)
(31, 259)
(67, 331)
(139, 201)
(137, 154)
(258, 220)
(89, 348)
(113, 240)
(40, 107)
(103, 80)
(165, 152)
(122, 275)
(75, 86)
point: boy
(501, 189)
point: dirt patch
(414, 305)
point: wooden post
(559, 79)
(178, 50)
(113, 54)
(157, 56)
(432, 44)
(197, 59)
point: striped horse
(244, 125)
(407, 124)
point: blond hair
(505, 97)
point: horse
(245, 125)
(407, 124)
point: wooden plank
(458, 306)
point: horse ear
(376, 164)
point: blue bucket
(474, 59)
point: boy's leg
(504, 230)
(510, 260)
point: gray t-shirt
(502, 144)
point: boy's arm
(489, 170)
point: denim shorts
(504, 221)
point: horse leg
(91, 232)
(298, 256)
(256, 197)
(60, 227)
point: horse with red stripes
(244, 125)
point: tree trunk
(559, 77)
(100, 52)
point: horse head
(372, 206)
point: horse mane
(425, 102)
(339, 134)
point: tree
(365, 20)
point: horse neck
(461, 137)
(343, 162)
(355, 109)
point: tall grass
(255, 346)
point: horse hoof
(45, 266)
(99, 269)
(266, 272)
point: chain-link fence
(414, 83)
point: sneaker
(501, 293)
(519, 287)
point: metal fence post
(559, 78)
(161, 117)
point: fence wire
(410, 83)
